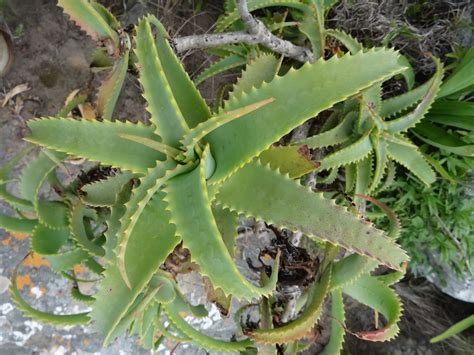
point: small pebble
(4, 284)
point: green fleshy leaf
(374, 294)
(414, 117)
(381, 161)
(52, 214)
(175, 315)
(47, 241)
(77, 295)
(222, 65)
(188, 193)
(265, 126)
(149, 186)
(355, 152)
(411, 159)
(18, 225)
(34, 175)
(301, 326)
(337, 135)
(363, 173)
(111, 87)
(44, 317)
(249, 190)
(96, 141)
(189, 100)
(336, 340)
(352, 44)
(104, 192)
(106, 15)
(165, 113)
(152, 240)
(227, 223)
(79, 232)
(65, 261)
(258, 71)
(83, 13)
(292, 160)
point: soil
(52, 56)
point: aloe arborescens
(189, 172)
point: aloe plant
(370, 133)
(188, 174)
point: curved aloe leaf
(18, 225)
(5, 172)
(313, 28)
(227, 223)
(259, 70)
(165, 113)
(411, 119)
(188, 193)
(96, 141)
(106, 15)
(79, 232)
(200, 131)
(336, 340)
(352, 44)
(65, 261)
(222, 65)
(412, 159)
(381, 161)
(189, 100)
(149, 186)
(349, 269)
(47, 241)
(83, 13)
(337, 135)
(395, 105)
(353, 153)
(117, 211)
(104, 193)
(152, 240)
(49, 318)
(268, 124)
(375, 294)
(249, 190)
(34, 175)
(111, 87)
(176, 316)
(301, 326)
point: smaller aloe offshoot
(370, 133)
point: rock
(4, 284)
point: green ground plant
(449, 126)
(436, 220)
(187, 176)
